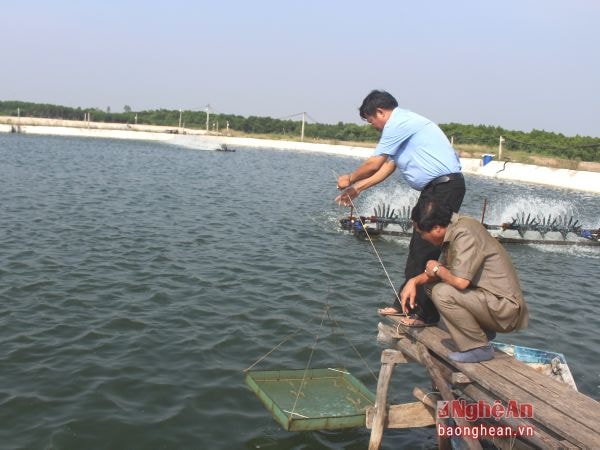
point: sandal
(414, 321)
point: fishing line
(274, 348)
(372, 245)
(312, 351)
(326, 314)
(353, 347)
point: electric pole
(207, 117)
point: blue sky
(518, 64)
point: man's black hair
(376, 99)
(428, 213)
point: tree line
(583, 148)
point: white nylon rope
(375, 250)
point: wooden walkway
(562, 417)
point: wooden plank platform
(562, 417)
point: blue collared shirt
(419, 148)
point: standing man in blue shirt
(428, 163)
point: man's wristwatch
(436, 269)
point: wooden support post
(389, 359)
(444, 389)
(428, 398)
(383, 382)
(390, 356)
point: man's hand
(409, 292)
(345, 198)
(343, 181)
(407, 296)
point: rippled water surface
(138, 280)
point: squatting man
(473, 285)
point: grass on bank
(519, 156)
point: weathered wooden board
(406, 415)
(566, 412)
(543, 438)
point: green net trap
(329, 398)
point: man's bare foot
(389, 311)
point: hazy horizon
(519, 65)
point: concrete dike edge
(198, 139)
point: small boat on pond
(551, 364)
(225, 148)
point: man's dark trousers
(451, 194)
